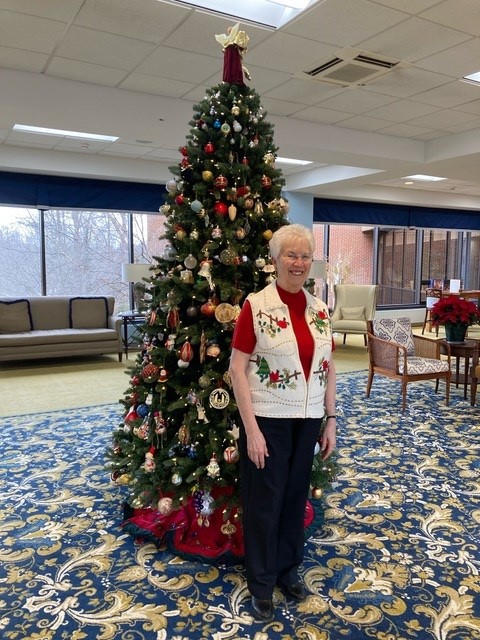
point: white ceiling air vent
(351, 67)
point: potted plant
(456, 314)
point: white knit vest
(275, 374)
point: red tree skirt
(186, 536)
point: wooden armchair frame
(385, 356)
(475, 374)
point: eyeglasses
(293, 257)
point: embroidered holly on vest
(320, 321)
(275, 379)
(272, 325)
(322, 371)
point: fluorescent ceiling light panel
(267, 13)
(292, 161)
(300, 5)
(64, 133)
(473, 78)
(425, 178)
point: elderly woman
(283, 379)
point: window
(61, 252)
(20, 273)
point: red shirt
(244, 336)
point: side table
(459, 351)
(132, 319)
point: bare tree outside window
(20, 269)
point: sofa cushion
(15, 316)
(353, 313)
(60, 336)
(88, 313)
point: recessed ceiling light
(45, 131)
(292, 161)
(267, 13)
(425, 178)
(409, 182)
(473, 78)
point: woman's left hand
(328, 440)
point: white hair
(287, 233)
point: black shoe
(262, 609)
(294, 591)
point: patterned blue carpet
(398, 557)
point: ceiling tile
(21, 31)
(402, 110)
(281, 107)
(143, 20)
(85, 72)
(323, 116)
(22, 60)
(288, 53)
(405, 130)
(63, 10)
(463, 15)
(159, 86)
(442, 119)
(101, 48)
(355, 101)
(343, 23)
(365, 123)
(449, 95)
(303, 91)
(457, 61)
(404, 83)
(414, 39)
(171, 63)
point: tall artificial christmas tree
(177, 446)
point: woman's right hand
(257, 448)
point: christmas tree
(176, 449)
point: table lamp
(134, 275)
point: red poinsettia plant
(455, 310)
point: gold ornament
(317, 493)
(224, 313)
(228, 529)
(232, 212)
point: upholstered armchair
(396, 353)
(354, 305)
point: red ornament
(208, 309)
(220, 208)
(266, 182)
(242, 191)
(221, 182)
(186, 352)
(245, 160)
(183, 151)
(150, 372)
(185, 162)
(131, 416)
(231, 454)
(163, 376)
(179, 199)
(173, 318)
(209, 148)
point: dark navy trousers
(274, 500)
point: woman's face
(293, 264)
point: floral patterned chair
(395, 352)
